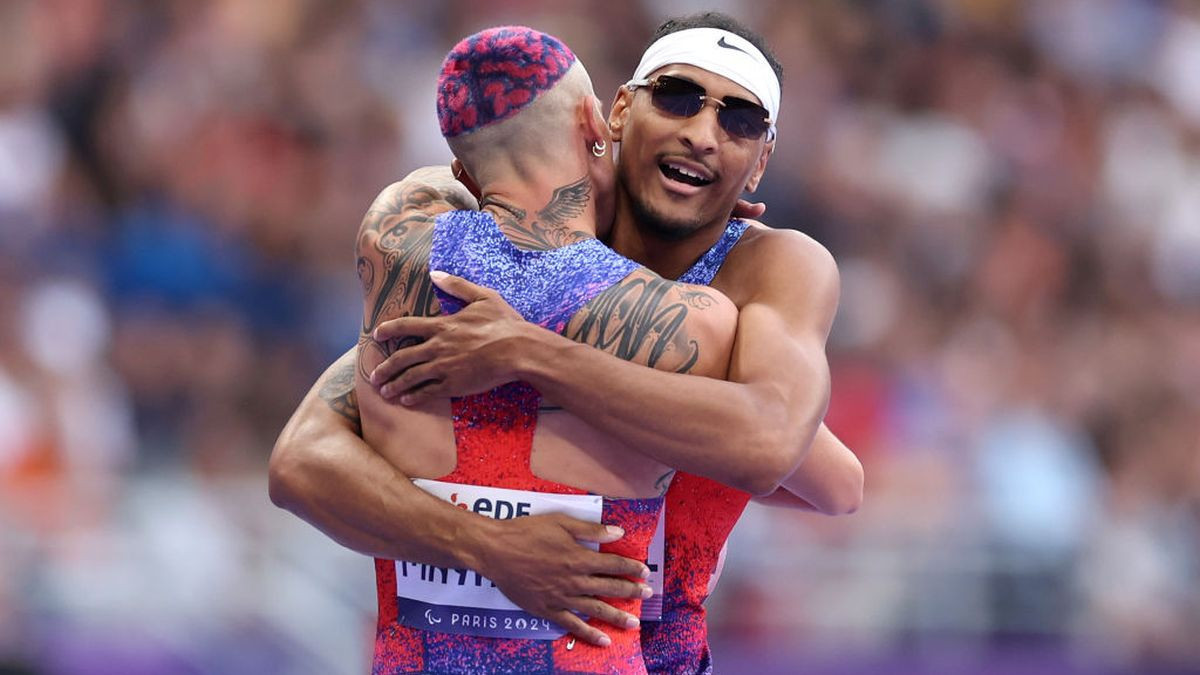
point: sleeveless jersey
(700, 513)
(494, 434)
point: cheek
(627, 163)
(647, 133)
(638, 158)
(742, 165)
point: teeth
(685, 171)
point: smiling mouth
(683, 175)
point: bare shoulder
(773, 248)
(768, 261)
(415, 200)
(394, 243)
(427, 188)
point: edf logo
(499, 509)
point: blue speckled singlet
(493, 435)
(546, 287)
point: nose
(701, 132)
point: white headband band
(720, 52)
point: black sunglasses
(684, 98)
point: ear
(618, 117)
(752, 183)
(461, 175)
(591, 121)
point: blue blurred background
(1012, 191)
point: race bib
(461, 601)
(652, 608)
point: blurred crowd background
(1012, 191)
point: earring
(599, 148)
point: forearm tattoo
(338, 392)
(549, 229)
(636, 317)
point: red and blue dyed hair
(491, 75)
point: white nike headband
(717, 51)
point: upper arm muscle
(788, 295)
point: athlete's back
(648, 320)
(439, 624)
(518, 111)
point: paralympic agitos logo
(500, 509)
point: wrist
(477, 543)
(535, 354)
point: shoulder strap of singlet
(709, 264)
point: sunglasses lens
(677, 97)
(682, 98)
(743, 121)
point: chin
(662, 225)
(673, 230)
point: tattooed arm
(324, 472)
(750, 432)
(648, 321)
(394, 240)
(320, 468)
(663, 324)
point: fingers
(398, 365)
(426, 391)
(602, 611)
(614, 587)
(613, 565)
(406, 326)
(459, 287)
(580, 629)
(585, 531)
(604, 563)
(745, 209)
(411, 382)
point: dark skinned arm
(769, 410)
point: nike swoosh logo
(722, 43)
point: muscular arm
(322, 471)
(750, 432)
